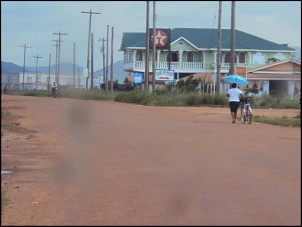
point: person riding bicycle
(54, 86)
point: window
(173, 57)
(241, 58)
(227, 58)
(258, 58)
(189, 57)
(139, 56)
(279, 56)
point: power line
(188, 15)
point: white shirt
(234, 94)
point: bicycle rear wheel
(242, 116)
(249, 115)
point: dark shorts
(234, 106)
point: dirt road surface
(77, 162)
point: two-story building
(194, 50)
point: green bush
(138, 97)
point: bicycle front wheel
(249, 115)
(242, 117)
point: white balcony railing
(165, 65)
(181, 66)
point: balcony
(139, 66)
(182, 67)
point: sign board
(241, 71)
(161, 40)
(137, 78)
(163, 74)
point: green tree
(190, 85)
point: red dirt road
(77, 162)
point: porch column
(265, 87)
(203, 59)
(128, 55)
(290, 89)
(250, 57)
(134, 55)
(180, 57)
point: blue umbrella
(239, 80)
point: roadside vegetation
(184, 93)
(4, 199)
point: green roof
(206, 38)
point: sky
(33, 23)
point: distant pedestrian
(234, 95)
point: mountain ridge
(67, 69)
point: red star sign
(160, 38)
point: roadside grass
(4, 199)
(3, 115)
(282, 121)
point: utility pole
(24, 64)
(59, 54)
(219, 49)
(48, 84)
(107, 59)
(103, 51)
(37, 67)
(111, 70)
(91, 78)
(147, 50)
(73, 65)
(56, 72)
(89, 30)
(232, 69)
(154, 48)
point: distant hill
(118, 73)
(67, 69)
(8, 67)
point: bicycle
(246, 110)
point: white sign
(163, 74)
